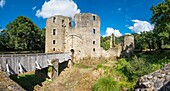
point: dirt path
(72, 79)
(77, 78)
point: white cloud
(110, 30)
(58, 7)
(33, 8)
(127, 34)
(141, 26)
(2, 3)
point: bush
(106, 84)
(135, 68)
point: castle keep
(83, 40)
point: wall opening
(94, 31)
(54, 30)
(94, 50)
(70, 25)
(53, 41)
(73, 24)
(62, 21)
(72, 51)
(94, 42)
(72, 54)
(54, 19)
(53, 49)
(93, 18)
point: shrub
(106, 84)
(135, 68)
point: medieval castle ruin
(81, 41)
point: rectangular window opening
(62, 21)
(54, 30)
(70, 25)
(53, 49)
(93, 42)
(94, 31)
(53, 41)
(54, 19)
(93, 18)
(93, 49)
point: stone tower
(82, 41)
(56, 28)
(128, 46)
(88, 26)
(112, 41)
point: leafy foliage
(161, 19)
(106, 84)
(23, 35)
(127, 71)
(105, 42)
(145, 40)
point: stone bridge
(157, 81)
(20, 63)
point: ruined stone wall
(112, 40)
(83, 39)
(55, 33)
(115, 51)
(128, 45)
(88, 26)
(157, 81)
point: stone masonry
(80, 41)
(128, 45)
(157, 81)
(83, 40)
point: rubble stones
(157, 81)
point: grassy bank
(128, 70)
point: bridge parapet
(20, 63)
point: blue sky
(117, 16)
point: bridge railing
(20, 63)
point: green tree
(22, 35)
(41, 40)
(145, 40)
(161, 19)
(105, 42)
(140, 43)
(2, 45)
(119, 40)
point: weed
(106, 84)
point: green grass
(50, 68)
(106, 84)
(129, 70)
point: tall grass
(127, 72)
(106, 84)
